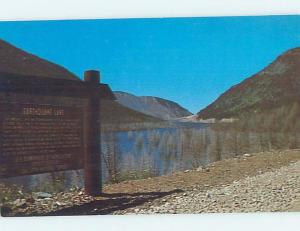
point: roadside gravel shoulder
(273, 191)
(295, 207)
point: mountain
(154, 106)
(275, 86)
(17, 61)
(114, 112)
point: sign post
(92, 160)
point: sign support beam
(92, 162)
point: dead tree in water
(110, 159)
(218, 144)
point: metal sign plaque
(39, 138)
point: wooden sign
(39, 138)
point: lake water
(153, 152)
(161, 151)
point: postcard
(183, 115)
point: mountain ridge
(275, 85)
(151, 105)
(17, 61)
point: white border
(230, 222)
(11, 10)
(91, 9)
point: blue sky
(188, 60)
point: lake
(144, 153)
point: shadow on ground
(115, 202)
(109, 203)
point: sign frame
(90, 89)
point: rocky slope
(154, 106)
(275, 86)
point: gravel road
(273, 191)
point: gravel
(40, 203)
(268, 192)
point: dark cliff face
(154, 106)
(17, 61)
(275, 86)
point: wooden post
(92, 160)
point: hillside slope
(114, 112)
(17, 61)
(154, 106)
(275, 86)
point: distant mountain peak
(154, 106)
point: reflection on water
(154, 152)
(160, 151)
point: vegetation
(278, 128)
(281, 119)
